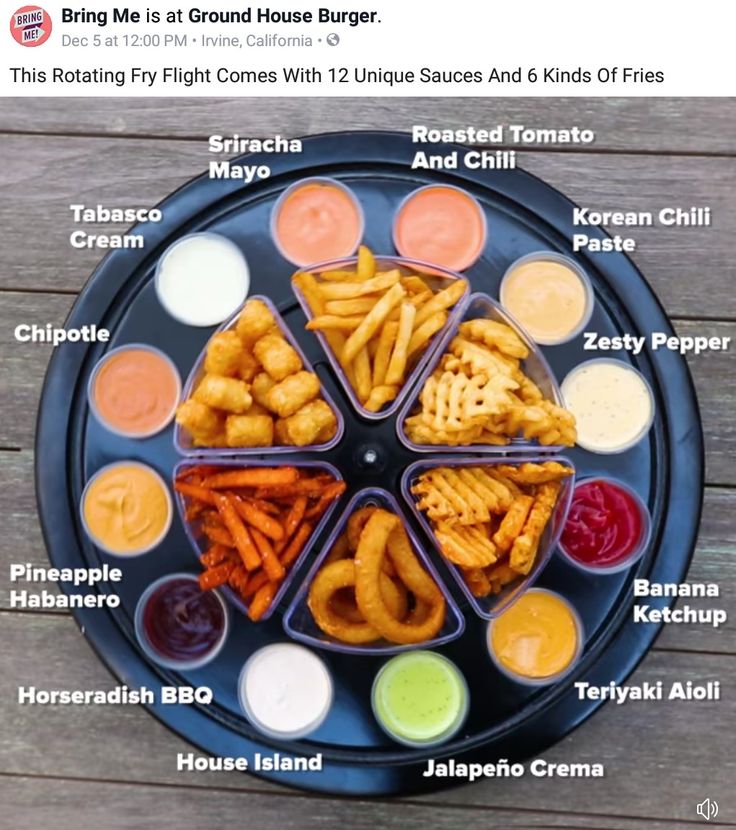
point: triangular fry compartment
(535, 366)
(435, 277)
(300, 624)
(494, 604)
(183, 440)
(200, 542)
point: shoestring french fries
(255, 391)
(372, 585)
(255, 522)
(479, 394)
(489, 520)
(377, 323)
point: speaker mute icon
(707, 809)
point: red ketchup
(604, 525)
(181, 621)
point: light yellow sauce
(547, 298)
(611, 404)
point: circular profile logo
(30, 26)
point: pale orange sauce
(318, 222)
(126, 508)
(136, 392)
(441, 225)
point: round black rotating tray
(506, 720)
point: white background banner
(376, 47)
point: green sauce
(420, 698)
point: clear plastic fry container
(200, 543)
(300, 624)
(182, 439)
(494, 604)
(437, 277)
(535, 366)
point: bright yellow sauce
(537, 637)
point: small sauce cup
(523, 636)
(150, 401)
(286, 691)
(152, 494)
(420, 699)
(636, 541)
(442, 225)
(602, 395)
(178, 625)
(553, 301)
(315, 220)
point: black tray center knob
(371, 458)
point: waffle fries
(489, 520)
(479, 394)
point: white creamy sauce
(611, 404)
(286, 688)
(202, 280)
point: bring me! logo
(30, 26)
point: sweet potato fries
(253, 523)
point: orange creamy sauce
(135, 392)
(537, 637)
(126, 508)
(546, 297)
(318, 222)
(441, 225)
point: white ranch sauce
(202, 280)
(611, 403)
(286, 689)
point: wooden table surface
(113, 767)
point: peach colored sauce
(126, 508)
(318, 222)
(441, 225)
(547, 298)
(135, 392)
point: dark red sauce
(604, 525)
(181, 621)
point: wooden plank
(125, 744)
(29, 803)
(23, 366)
(714, 376)
(648, 124)
(714, 560)
(690, 269)
(22, 531)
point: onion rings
(336, 576)
(368, 562)
(410, 569)
(355, 601)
